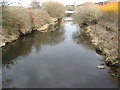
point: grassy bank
(100, 23)
(17, 20)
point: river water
(53, 60)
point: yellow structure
(110, 7)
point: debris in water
(101, 66)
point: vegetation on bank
(55, 9)
(87, 14)
(90, 13)
(41, 17)
(15, 19)
(101, 25)
(19, 19)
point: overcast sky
(26, 3)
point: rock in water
(101, 66)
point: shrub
(88, 13)
(8, 22)
(55, 9)
(15, 19)
(41, 17)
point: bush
(15, 19)
(41, 17)
(87, 14)
(55, 9)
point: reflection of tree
(81, 38)
(49, 38)
(23, 46)
(114, 76)
(0, 57)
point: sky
(26, 3)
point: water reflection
(23, 46)
(0, 68)
(81, 39)
(114, 78)
(58, 63)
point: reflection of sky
(63, 65)
(27, 2)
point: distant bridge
(68, 19)
(69, 12)
(68, 16)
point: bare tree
(35, 4)
(55, 9)
(8, 3)
(4, 3)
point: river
(53, 60)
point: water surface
(53, 60)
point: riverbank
(28, 20)
(100, 24)
(104, 36)
(7, 38)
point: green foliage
(86, 14)
(55, 9)
(41, 17)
